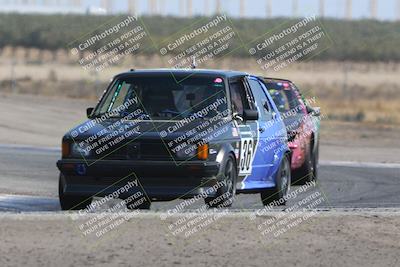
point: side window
(261, 99)
(238, 97)
(282, 99)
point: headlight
(65, 149)
(80, 151)
(186, 152)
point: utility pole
(398, 10)
(295, 7)
(206, 11)
(218, 6)
(242, 9)
(182, 7)
(322, 8)
(161, 7)
(150, 7)
(349, 6)
(131, 7)
(268, 8)
(13, 78)
(374, 9)
(189, 8)
(107, 5)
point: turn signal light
(65, 149)
(202, 151)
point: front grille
(116, 153)
(154, 150)
(137, 150)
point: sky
(387, 9)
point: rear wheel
(282, 187)
(315, 162)
(225, 193)
(71, 202)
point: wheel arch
(224, 152)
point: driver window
(238, 97)
(261, 99)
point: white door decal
(246, 156)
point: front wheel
(277, 194)
(71, 202)
(226, 192)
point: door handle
(261, 130)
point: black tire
(316, 162)
(225, 194)
(282, 188)
(71, 202)
(308, 171)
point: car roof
(225, 73)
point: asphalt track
(29, 179)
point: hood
(143, 139)
(146, 129)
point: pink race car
(302, 125)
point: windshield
(162, 97)
(285, 99)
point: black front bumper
(160, 180)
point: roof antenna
(193, 64)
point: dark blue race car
(177, 134)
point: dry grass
(346, 91)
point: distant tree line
(363, 40)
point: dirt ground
(327, 239)
(42, 121)
(347, 91)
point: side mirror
(313, 111)
(317, 111)
(250, 114)
(89, 112)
